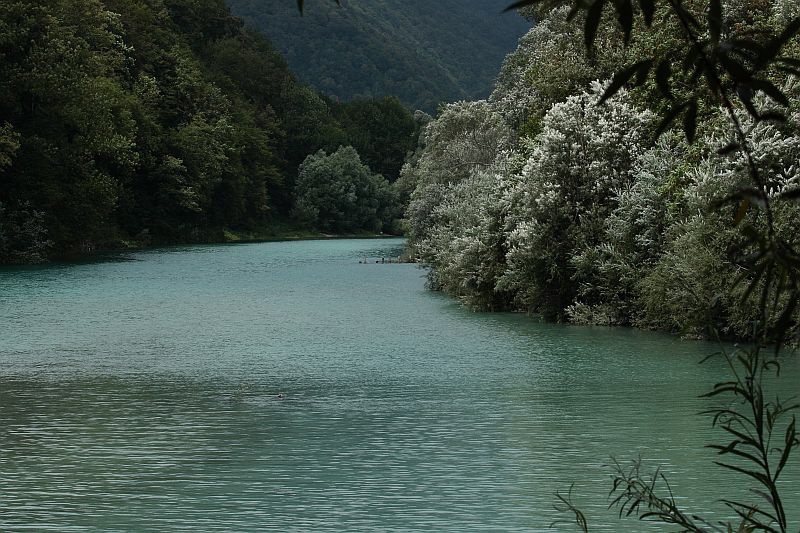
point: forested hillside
(155, 121)
(541, 199)
(423, 52)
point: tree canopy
(583, 213)
(338, 193)
(158, 121)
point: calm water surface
(140, 394)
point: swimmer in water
(280, 396)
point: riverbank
(276, 232)
(295, 234)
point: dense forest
(161, 121)
(423, 52)
(158, 121)
(540, 199)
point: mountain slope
(423, 52)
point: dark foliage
(157, 121)
(423, 52)
(382, 131)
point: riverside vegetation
(728, 59)
(165, 121)
(540, 200)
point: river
(287, 387)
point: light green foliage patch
(583, 214)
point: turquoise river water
(140, 393)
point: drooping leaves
(621, 78)
(723, 63)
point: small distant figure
(280, 396)
(383, 259)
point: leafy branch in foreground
(729, 68)
(763, 434)
(637, 494)
(753, 424)
(567, 506)
(751, 430)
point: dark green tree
(338, 193)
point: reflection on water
(143, 395)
